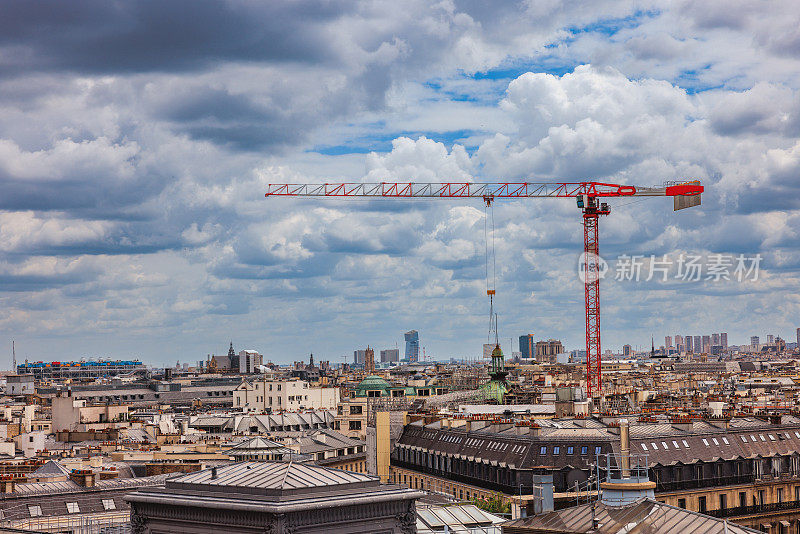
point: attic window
(715, 441)
(744, 439)
(72, 508)
(725, 441)
(108, 504)
(771, 437)
(705, 442)
(34, 510)
(684, 443)
(644, 446)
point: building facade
(412, 346)
(268, 395)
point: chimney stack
(625, 447)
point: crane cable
(488, 210)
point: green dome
(372, 383)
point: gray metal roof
(271, 476)
(644, 517)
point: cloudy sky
(137, 140)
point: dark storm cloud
(137, 36)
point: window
(682, 503)
(744, 439)
(598, 450)
(742, 499)
(675, 444)
(584, 450)
(108, 504)
(762, 437)
(355, 425)
(72, 508)
(705, 442)
(771, 437)
(355, 410)
(715, 441)
(701, 504)
(644, 446)
(723, 501)
(797, 493)
(725, 441)
(34, 510)
(780, 494)
(753, 438)
(684, 443)
(664, 444)
(653, 444)
(797, 434)
(556, 450)
(570, 450)
(543, 450)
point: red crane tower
(589, 197)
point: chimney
(213, 473)
(83, 477)
(535, 430)
(468, 426)
(7, 482)
(625, 447)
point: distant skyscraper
(715, 339)
(678, 339)
(698, 344)
(707, 344)
(527, 346)
(770, 338)
(688, 343)
(627, 350)
(667, 342)
(723, 340)
(359, 356)
(390, 355)
(412, 346)
(754, 340)
(798, 338)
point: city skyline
(134, 223)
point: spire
(652, 347)
(311, 360)
(231, 352)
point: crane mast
(589, 197)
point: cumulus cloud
(136, 144)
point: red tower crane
(589, 197)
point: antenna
(13, 357)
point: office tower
(359, 356)
(390, 355)
(770, 338)
(678, 339)
(369, 360)
(723, 340)
(707, 344)
(527, 346)
(715, 339)
(689, 344)
(667, 342)
(626, 350)
(412, 346)
(754, 340)
(698, 344)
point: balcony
(697, 483)
(755, 509)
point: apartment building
(272, 395)
(744, 469)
